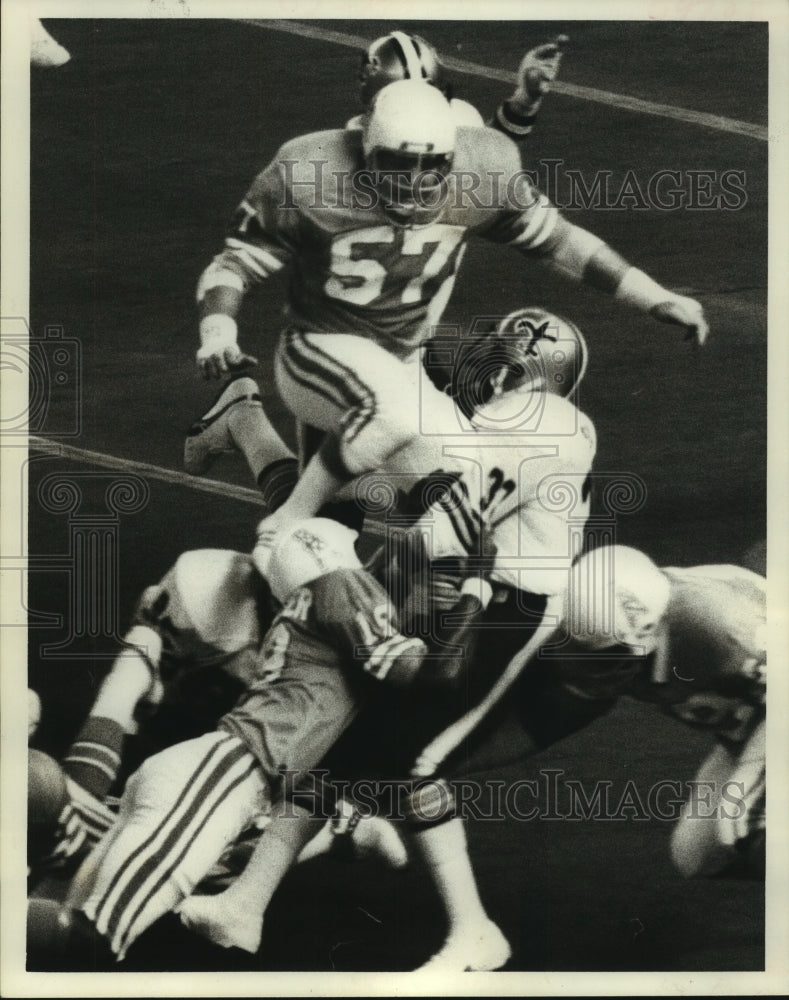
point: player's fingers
(242, 362)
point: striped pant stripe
(338, 383)
(154, 861)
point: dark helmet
(399, 56)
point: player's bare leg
(473, 943)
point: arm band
(639, 290)
(218, 330)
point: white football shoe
(479, 949)
(210, 436)
(44, 50)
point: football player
(526, 445)
(691, 641)
(237, 420)
(400, 56)
(373, 256)
(185, 805)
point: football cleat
(398, 56)
(210, 436)
(480, 949)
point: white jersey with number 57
(315, 209)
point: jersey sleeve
(359, 617)
(264, 230)
(525, 217)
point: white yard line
(173, 476)
(622, 101)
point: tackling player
(516, 435)
(373, 256)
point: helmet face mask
(398, 56)
(408, 140)
(411, 185)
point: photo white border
(14, 981)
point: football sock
(445, 852)
(125, 685)
(254, 435)
(277, 481)
(318, 483)
(94, 758)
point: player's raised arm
(538, 69)
(582, 256)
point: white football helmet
(408, 140)
(308, 549)
(617, 596)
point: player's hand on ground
(539, 68)
(216, 362)
(685, 312)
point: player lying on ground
(691, 641)
(228, 426)
(184, 806)
(191, 650)
(373, 259)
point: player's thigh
(323, 377)
(292, 722)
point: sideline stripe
(163, 475)
(144, 469)
(607, 97)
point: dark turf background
(141, 147)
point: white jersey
(524, 463)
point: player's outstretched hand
(685, 312)
(216, 362)
(539, 68)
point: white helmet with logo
(617, 596)
(308, 549)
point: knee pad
(429, 803)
